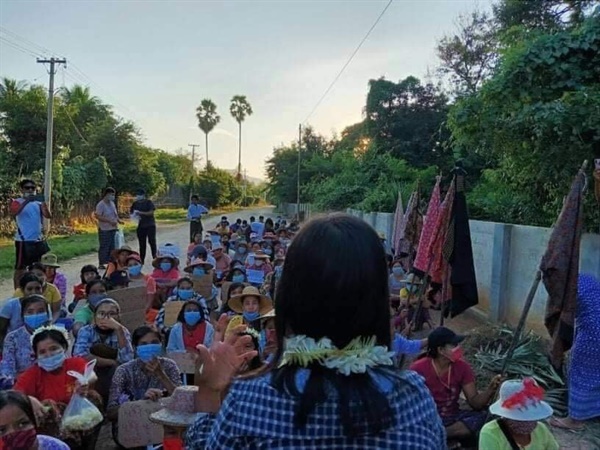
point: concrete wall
(506, 259)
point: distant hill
(251, 180)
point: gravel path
(167, 233)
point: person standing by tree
(29, 214)
(108, 223)
(144, 209)
(194, 215)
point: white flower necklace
(359, 355)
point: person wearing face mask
(88, 273)
(241, 251)
(49, 291)
(144, 208)
(237, 273)
(29, 213)
(396, 283)
(185, 292)
(234, 289)
(108, 223)
(106, 341)
(166, 271)
(17, 353)
(261, 262)
(249, 306)
(197, 241)
(150, 376)
(10, 314)
(268, 336)
(222, 261)
(137, 278)
(446, 375)
(118, 260)
(95, 292)
(48, 383)
(520, 408)
(18, 425)
(192, 328)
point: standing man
(194, 215)
(29, 212)
(108, 224)
(143, 208)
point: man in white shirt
(194, 215)
(29, 211)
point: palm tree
(10, 88)
(207, 119)
(239, 109)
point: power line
(337, 77)
(20, 48)
(25, 41)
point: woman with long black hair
(334, 384)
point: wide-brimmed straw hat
(50, 260)
(521, 400)
(268, 315)
(178, 409)
(158, 259)
(125, 248)
(198, 263)
(261, 255)
(236, 302)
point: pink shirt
(171, 275)
(446, 387)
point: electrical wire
(19, 47)
(26, 42)
(337, 77)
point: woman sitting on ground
(49, 291)
(249, 306)
(10, 314)
(118, 260)
(138, 278)
(106, 341)
(520, 409)
(88, 273)
(184, 292)
(95, 291)
(192, 328)
(18, 425)
(234, 289)
(237, 273)
(54, 277)
(318, 397)
(149, 376)
(49, 383)
(17, 355)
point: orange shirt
(57, 386)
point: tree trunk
(206, 147)
(240, 152)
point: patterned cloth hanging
(424, 258)
(398, 215)
(440, 265)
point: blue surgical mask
(139, 197)
(238, 278)
(241, 250)
(111, 197)
(192, 317)
(198, 272)
(134, 271)
(185, 294)
(53, 362)
(149, 351)
(165, 266)
(94, 299)
(268, 251)
(398, 271)
(34, 321)
(251, 316)
(412, 288)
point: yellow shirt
(491, 437)
(50, 293)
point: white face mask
(258, 262)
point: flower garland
(356, 357)
(48, 328)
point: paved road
(177, 234)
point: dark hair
(25, 181)
(195, 197)
(269, 222)
(31, 299)
(142, 331)
(325, 281)
(88, 268)
(93, 283)
(55, 335)
(109, 190)
(232, 287)
(180, 316)
(28, 277)
(256, 362)
(36, 266)
(252, 219)
(21, 401)
(187, 279)
(140, 192)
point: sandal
(560, 423)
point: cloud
(224, 132)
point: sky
(154, 61)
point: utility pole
(49, 131)
(245, 189)
(298, 173)
(193, 167)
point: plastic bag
(81, 414)
(119, 238)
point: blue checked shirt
(88, 336)
(255, 415)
